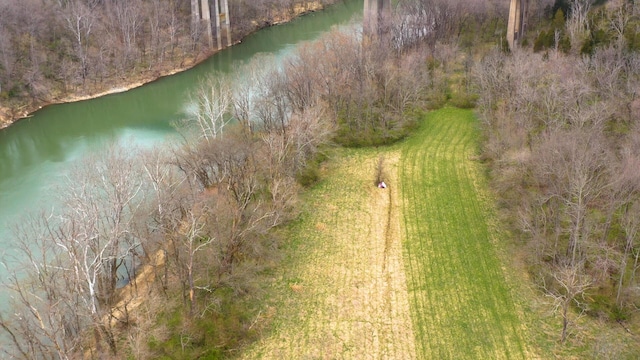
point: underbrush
(377, 136)
(219, 331)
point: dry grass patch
(344, 292)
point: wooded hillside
(53, 49)
(561, 116)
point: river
(37, 152)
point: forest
(560, 139)
(561, 127)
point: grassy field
(342, 292)
(406, 272)
(461, 305)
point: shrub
(309, 175)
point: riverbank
(15, 112)
(44, 151)
(9, 116)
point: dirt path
(346, 295)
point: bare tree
(575, 171)
(580, 10)
(249, 86)
(210, 106)
(624, 200)
(192, 240)
(80, 21)
(43, 321)
(631, 228)
(619, 20)
(81, 252)
(570, 286)
(288, 152)
(195, 16)
(577, 25)
(7, 56)
(126, 21)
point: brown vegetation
(344, 294)
(562, 133)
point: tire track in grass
(461, 305)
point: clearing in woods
(461, 304)
(400, 273)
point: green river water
(36, 153)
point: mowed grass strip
(461, 305)
(341, 293)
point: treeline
(54, 48)
(193, 227)
(581, 27)
(563, 140)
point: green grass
(412, 271)
(461, 304)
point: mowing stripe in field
(342, 294)
(461, 305)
